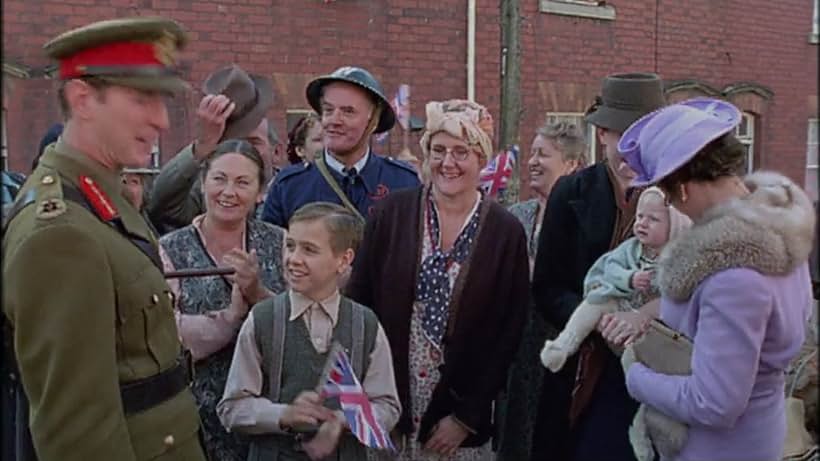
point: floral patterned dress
(436, 279)
(185, 248)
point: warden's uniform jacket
(298, 185)
(94, 331)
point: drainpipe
(471, 50)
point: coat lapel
(595, 207)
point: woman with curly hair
(558, 149)
(305, 139)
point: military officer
(94, 332)
(352, 106)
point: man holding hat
(353, 107)
(234, 107)
(85, 297)
(589, 213)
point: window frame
(589, 133)
(294, 112)
(748, 139)
(156, 156)
(579, 8)
(813, 126)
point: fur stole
(770, 230)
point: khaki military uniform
(91, 312)
(93, 329)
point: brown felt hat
(252, 94)
(624, 99)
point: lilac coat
(739, 286)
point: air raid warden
(90, 313)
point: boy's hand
(306, 410)
(447, 437)
(641, 280)
(324, 443)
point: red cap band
(110, 54)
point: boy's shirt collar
(299, 304)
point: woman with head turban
(447, 273)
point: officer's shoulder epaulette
(48, 194)
(293, 170)
(401, 164)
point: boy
(283, 345)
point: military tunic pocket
(147, 336)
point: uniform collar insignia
(97, 197)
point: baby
(619, 275)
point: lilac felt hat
(661, 142)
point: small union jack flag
(496, 175)
(341, 382)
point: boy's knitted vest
(290, 365)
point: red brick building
(761, 55)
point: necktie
(350, 175)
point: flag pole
(405, 139)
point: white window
(155, 156)
(815, 25)
(583, 8)
(811, 185)
(292, 117)
(745, 133)
(577, 118)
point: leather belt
(149, 392)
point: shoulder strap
(271, 338)
(72, 194)
(357, 356)
(320, 164)
(148, 248)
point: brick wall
(716, 43)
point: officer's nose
(159, 114)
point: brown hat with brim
(137, 52)
(252, 94)
(624, 99)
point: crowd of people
(476, 332)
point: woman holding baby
(736, 283)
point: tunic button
(169, 441)
(48, 179)
(154, 298)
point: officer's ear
(82, 98)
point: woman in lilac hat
(737, 283)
